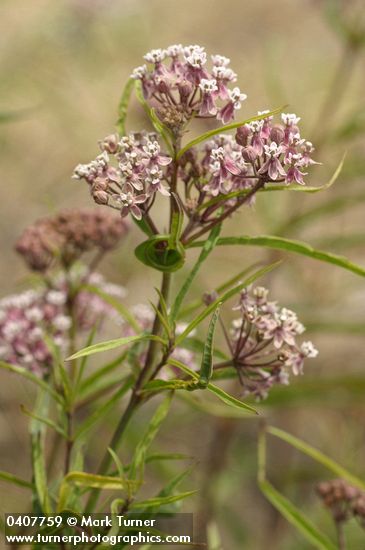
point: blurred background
(62, 69)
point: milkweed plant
(178, 195)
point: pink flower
(272, 166)
(208, 87)
(130, 202)
(226, 114)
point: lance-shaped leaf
(123, 106)
(161, 501)
(290, 245)
(207, 248)
(112, 344)
(15, 480)
(226, 296)
(38, 454)
(218, 392)
(318, 456)
(139, 458)
(206, 368)
(90, 481)
(45, 420)
(196, 304)
(286, 508)
(222, 129)
(104, 409)
(294, 516)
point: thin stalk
(341, 535)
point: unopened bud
(277, 134)
(242, 135)
(249, 154)
(210, 297)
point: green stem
(135, 399)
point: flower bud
(242, 135)
(249, 154)
(277, 134)
(100, 197)
(209, 297)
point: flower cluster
(179, 85)
(262, 342)
(261, 151)
(27, 319)
(127, 174)
(344, 500)
(67, 235)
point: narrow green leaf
(284, 506)
(206, 367)
(162, 315)
(232, 292)
(290, 245)
(100, 374)
(38, 453)
(35, 379)
(318, 456)
(112, 344)
(177, 221)
(221, 288)
(229, 399)
(104, 409)
(118, 463)
(161, 385)
(206, 250)
(91, 481)
(218, 392)
(44, 420)
(137, 465)
(222, 129)
(296, 518)
(123, 106)
(161, 501)
(116, 304)
(166, 456)
(213, 409)
(144, 226)
(15, 480)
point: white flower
(155, 56)
(308, 350)
(256, 125)
(62, 322)
(34, 314)
(273, 150)
(139, 72)
(174, 50)
(195, 56)
(290, 119)
(208, 86)
(56, 297)
(236, 97)
(220, 60)
(223, 73)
